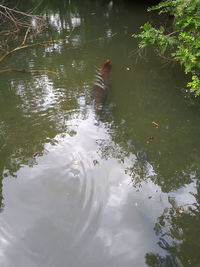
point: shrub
(183, 42)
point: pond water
(83, 188)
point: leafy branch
(183, 44)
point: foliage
(183, 43)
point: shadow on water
(119, 189)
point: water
(79, 188)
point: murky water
(79, 188)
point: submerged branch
(12, 10)
(27, 71)
(13, 21)
(30, 45)
(22, 20)
(25, 36)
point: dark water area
(83, 188)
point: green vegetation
(182, 42)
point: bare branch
(25, 36)
(25, 20)
(20, 12)
(30, 45)
(27, 71)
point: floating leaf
(155, 124)
(76, 162)
(181, 211)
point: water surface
(79, 188)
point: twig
(27, 71)
(70, 33)
(25, 36)
(22, 46)
(30, 45)
(139, 53)
(9, 17)
(20, 12)
(12, 69)
(20, 19)
(48, 71)
(171, 33)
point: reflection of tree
(32, 117)
(178, 227)
(1, 195)
(34, 109)
(172, 147)
(172, 165)
(127, 152)
(154, 260)
(179, 234)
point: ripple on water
(57, 198)
(74, 208)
